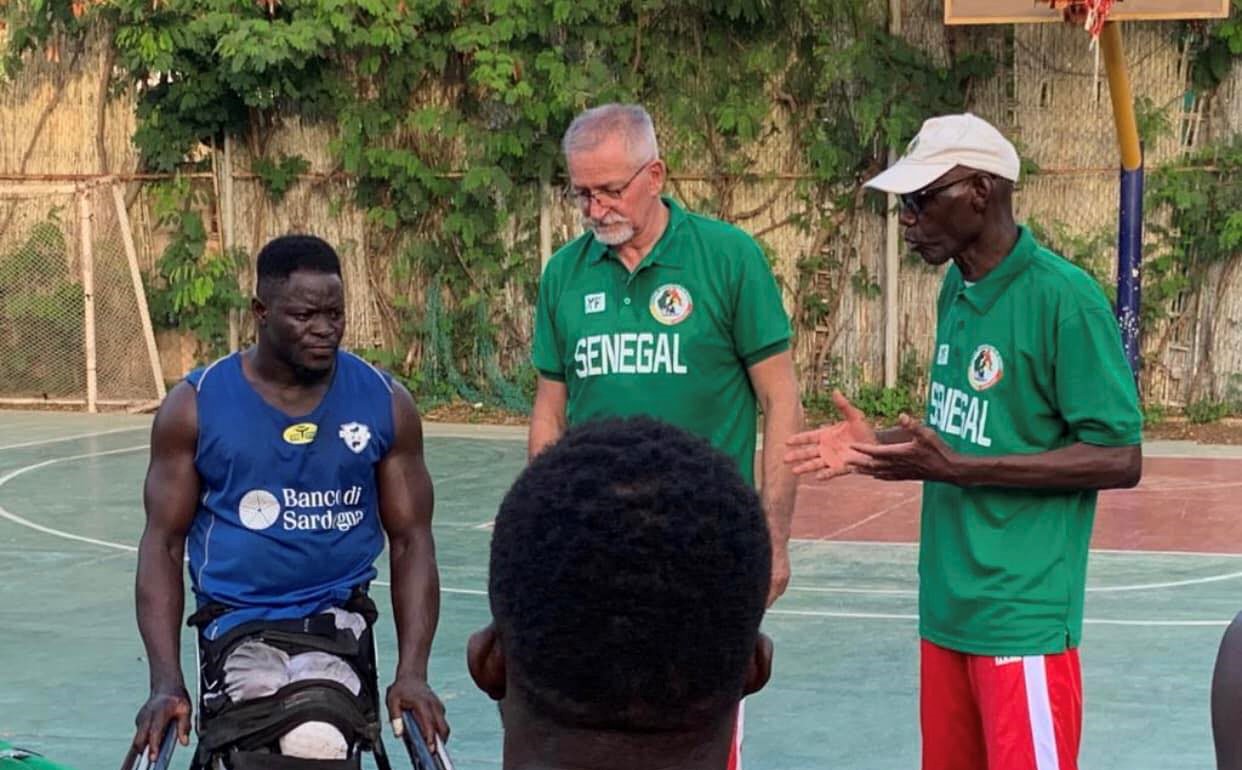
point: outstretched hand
(925, 457)
(827, 451)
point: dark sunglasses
(916, 201)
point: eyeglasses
(916, 201)
(605, 196)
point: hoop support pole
(1130, 219)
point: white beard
(612, 233)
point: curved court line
(76, 436)
(6, 514)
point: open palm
(826, 451)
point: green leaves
(279, 175)
(1194, 210)
(192, 288)
(448, 115)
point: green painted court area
(843, 694)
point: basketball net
(1091, 14)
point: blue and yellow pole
(1130, 229)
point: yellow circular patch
(302, 433)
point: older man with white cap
(1031, 410)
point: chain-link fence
(73, 326)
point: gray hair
(630, 121)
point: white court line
(76, 436)
(867, 591)
(1112, 551)
(6, 514)
(882, 512)
(443, 590)
(1088, 621)
(1090, 589)
(908, 617)
(1170, 584)
(475, 592)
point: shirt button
(627, 300)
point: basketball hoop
(1091, 14)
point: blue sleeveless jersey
(288, 521)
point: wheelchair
(245, 735)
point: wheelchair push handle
(136, 759)
(420, 754)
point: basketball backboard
(1034, 11)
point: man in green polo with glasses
(1031, 410)
(659, 311)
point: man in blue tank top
(278, 471)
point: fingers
(183, 723)
(436, 720)
(801, 455)
(424, 706)
(780, 576)
(155, 736)
(810, 465)
(429, 714)
(442, 725)
(847, 410)
(924, 433)
(866, 466)
(142, 731)
(883, 450)
(393, 701)
(776, 591)
(805, 438)
(831, 473)
(918, 428)
(426, 723)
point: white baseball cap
(944, 142)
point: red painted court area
(1182, 504)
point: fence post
(140, 294)
(545, 222)
(226, 225)
(892, 254)
(86, 239)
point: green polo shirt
(673, 339)
(1027, 360)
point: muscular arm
(1077, 466)
(926, 457)
(406, 501)
(170, 496)
(547, 419)
(777, 388)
